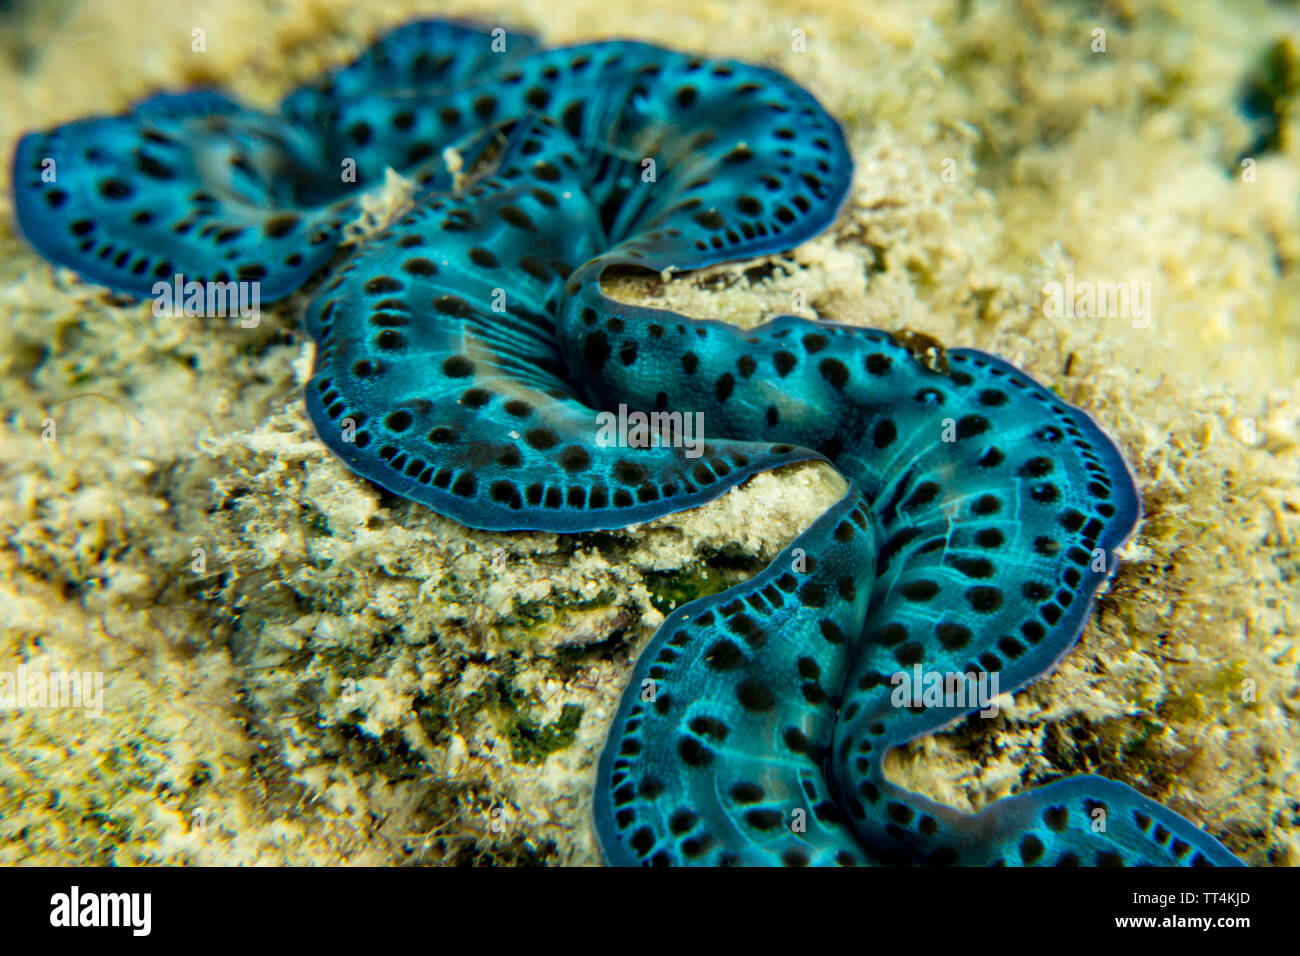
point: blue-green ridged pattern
(466, 350)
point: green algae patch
(1270, 92)
(669, 590)
(532, 742)
(544, 612)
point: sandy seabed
(301, 669)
